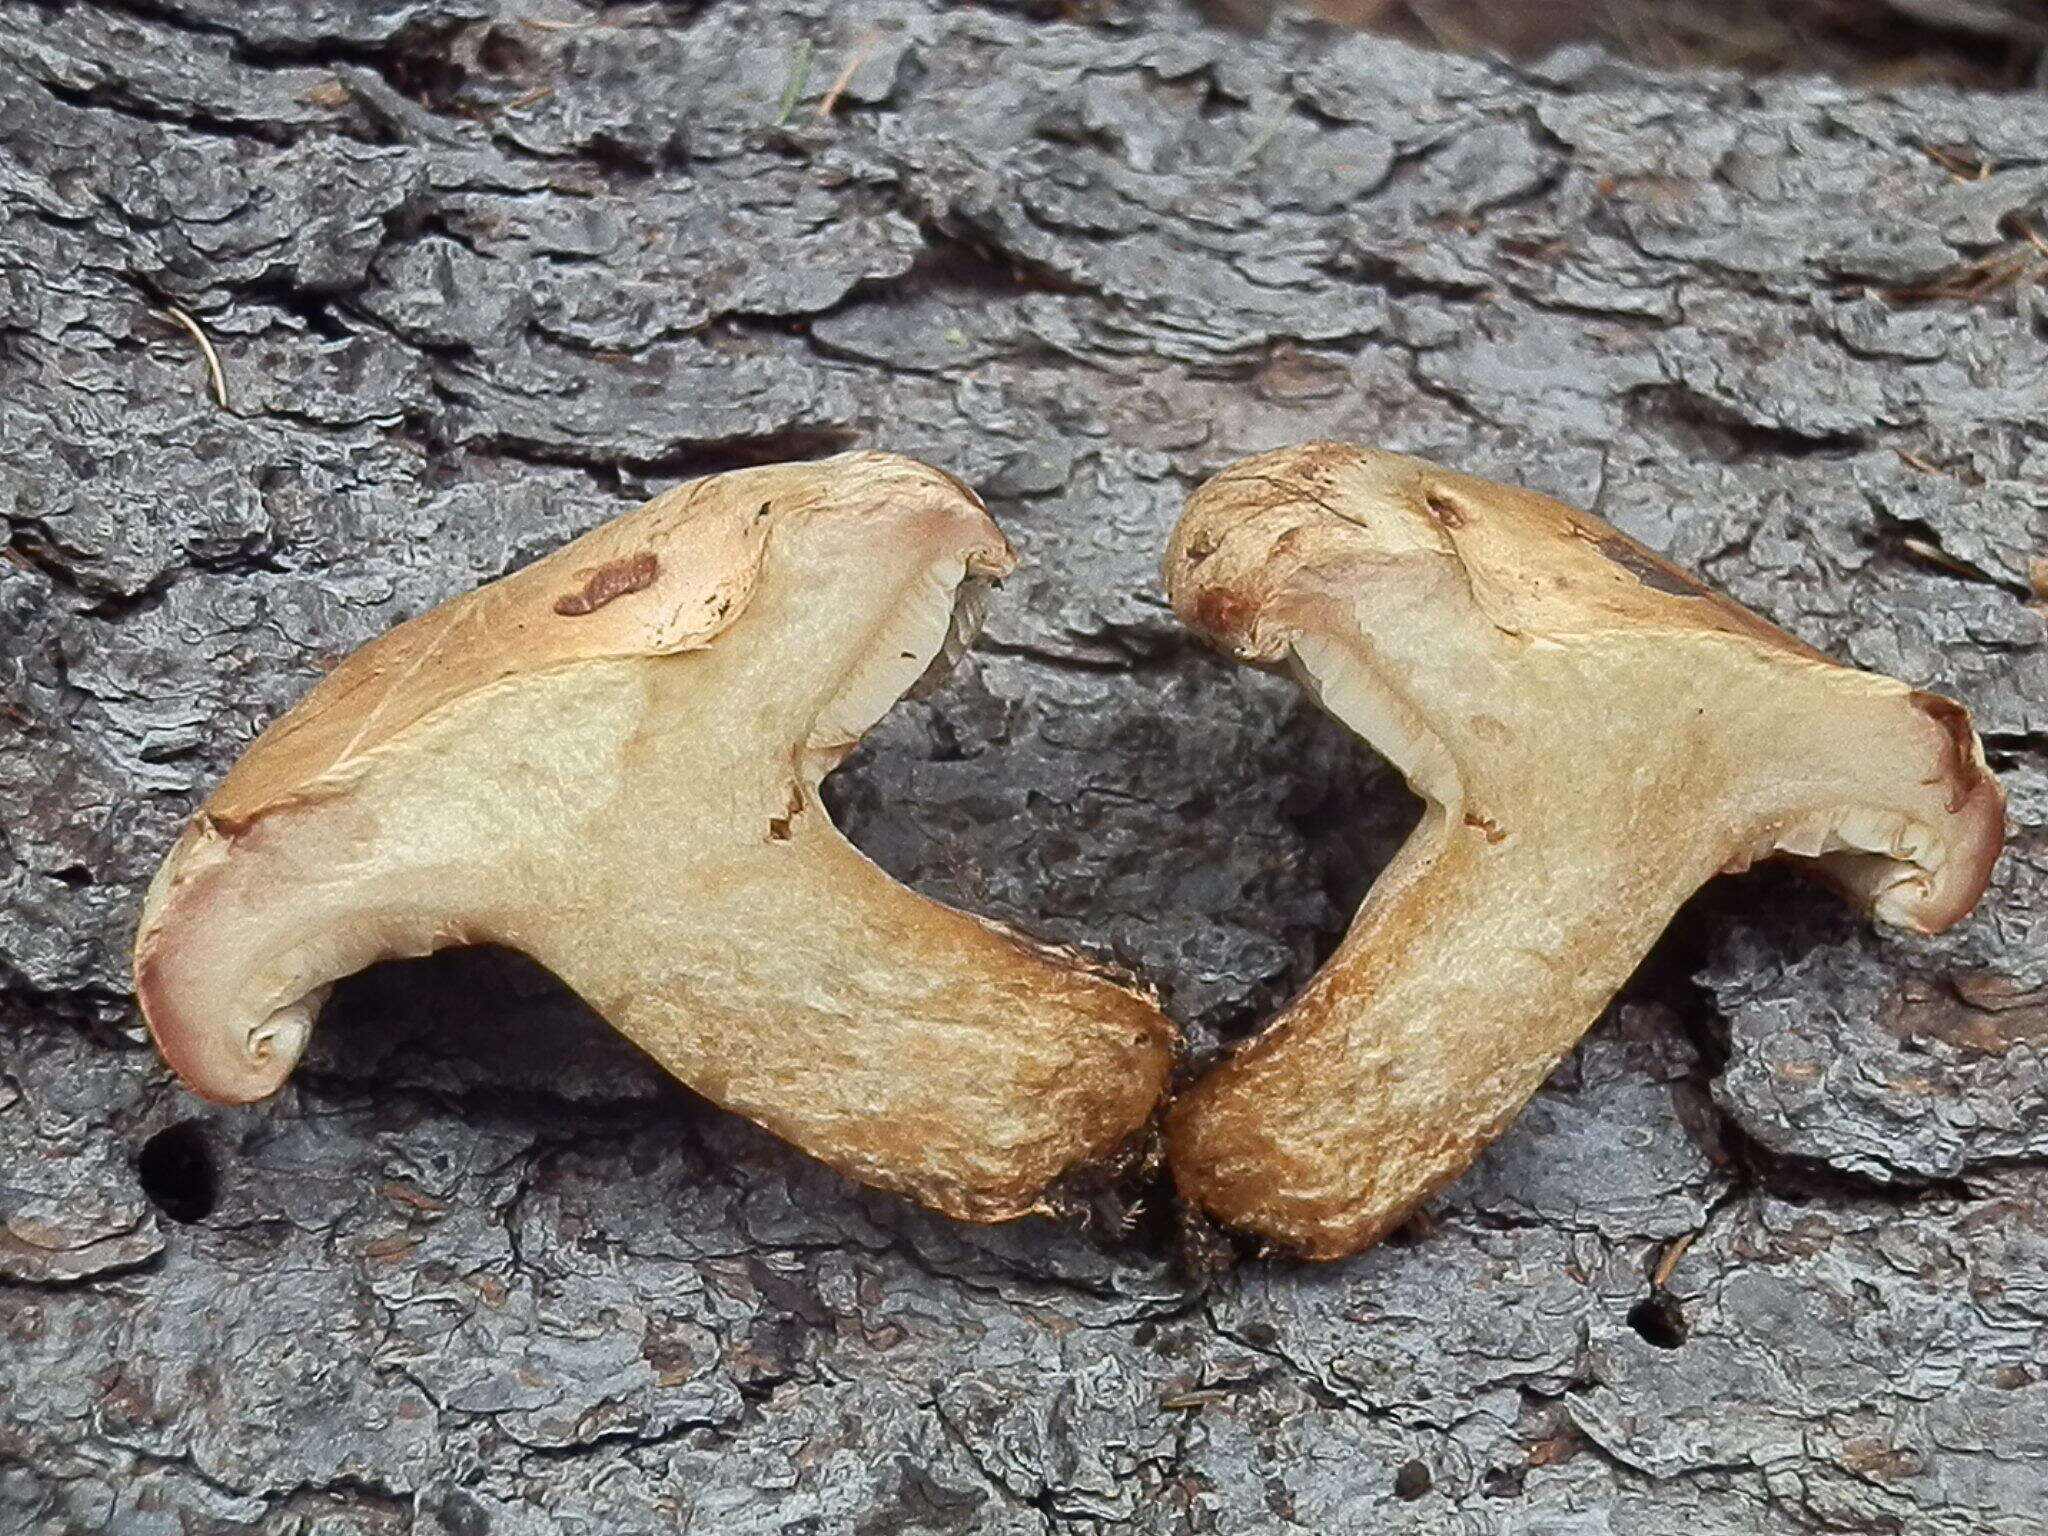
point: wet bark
(1768, 1252)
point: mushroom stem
(923, 1083)
(1469, 972)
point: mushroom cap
(668, 578)
(1881, 789)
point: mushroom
(1594, 735)
(610, 761)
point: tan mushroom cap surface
(609, 760)
(1594, 735)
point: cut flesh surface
(610, 761)
(1594, 735)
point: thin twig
(1979, 279)
(861, 50)
(799, 75)
(1956, 165)
(214, 372)
(1669, 1262)
(1941, 559)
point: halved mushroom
(1594, 735)
(610, 761)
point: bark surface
(1770, 1252)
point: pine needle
(214, 372)
(793, 90)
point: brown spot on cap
(779, 826)
(1658, 575)
(1444, 509)
(1486, 826)
(1223, 613)
(610, 581)
(1959, 756)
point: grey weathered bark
(479, 275)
